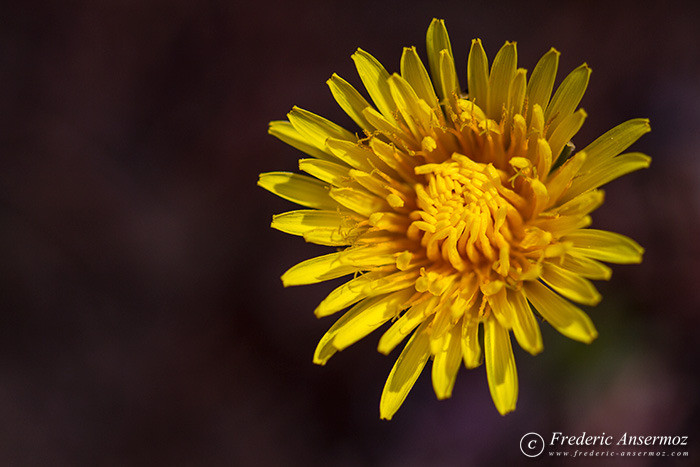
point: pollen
(470, 216)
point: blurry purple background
(143, 320)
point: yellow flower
(454, 212)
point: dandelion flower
(462, 217)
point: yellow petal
(389, 221)
(325, 348)
(438, 40)
(502, 73)
(478, 74)
(375, 254)
(615, 141)
(448, 84)
(525, 327)
(517, 92)
(560, 180)
(306, 220)
(561, 225)
(389, 158)
(471, 349)
(446, 364)
(353, 154)
(371, 182)
(501, 307)
(500, 367)
(581, 204)
(346, 294)
(539, 88)
(374, 76)
(403, 326)
(404, 373)
(537, 121)
(566, 130)
(585, 267)
(318, 269)
(567, 97)
(329, 237)
(540, 201)
(388, 127)
(350, 100)
(570, 285)
(440, 327)
(286, 132)
(329, 172)
(406, 101)
(328, 345)
(299, 189)
(367, 285)
(413, 71)
(561, 314)
(359, 201)
(605, 246)
(608, 171)
(317, 129)
(374, 312)
(540, 153)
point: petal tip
(318, 312)
(285, 280)
(386, 410)
(505, 410)
(359, 53)
(591, 337)
(330, 81)
(319, 362)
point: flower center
(467, 217)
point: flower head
(454, 211)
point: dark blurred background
(143, 321)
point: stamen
(467, 218)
